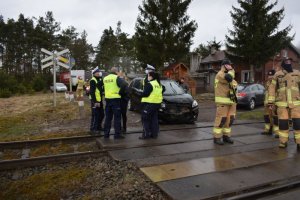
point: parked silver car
(60, 87)
(250, 95)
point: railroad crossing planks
(187, 165)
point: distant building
(176, 71)
(210, 65)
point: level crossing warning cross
(53, 60)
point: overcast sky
(94, 16)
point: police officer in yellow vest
(284, 93)
(151, 100)
(96, 91)
(225, 98)
(148, 69)
(112, 89)
(79, 89)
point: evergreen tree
(116, 48)
(107, 50)
(164, 31)
(205, 50)
(255, 36)
(82, 51)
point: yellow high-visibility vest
(156, 94)
(97, 91)
(110, 87)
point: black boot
(270, 131)
(218, 141)
(298, 147)
(227, 139)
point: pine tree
(205, 50)
(255, 36)
(164, 31)
(107, 50)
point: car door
(261, 93)
(136, 93)
(258, 94)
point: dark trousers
(97, 117)
(150, 119)
(112, 110)
(124, 105)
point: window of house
(284, 53)
(209, 66)
(245, 76)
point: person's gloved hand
(228, 78)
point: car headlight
(195, 104)
(163, 105)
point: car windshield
(172, 88)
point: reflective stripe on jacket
(222, 89)
(111, 87)
(97, 91)
(284, 89)
(156, 94)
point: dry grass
(45, 185)
(47, 150)
(25, 117)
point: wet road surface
(186, 164)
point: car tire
(251, 104)
(130, 108)
(191, 122)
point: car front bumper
(180, 115)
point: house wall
(194, 62)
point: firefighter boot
(218, 141)
(283, 145)
(227, 139)
(269, 132)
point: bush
(8, 82)
(38, 84)
(5, 93)
(22, 89)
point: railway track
(54, 159)
(62, 156)
(261, 190)
(74, 139)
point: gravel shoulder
(101, 178)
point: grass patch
(251, 115)
(11, 154)
(47, 150)
(46, 185)
(24, 117)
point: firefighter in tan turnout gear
(225, 98)
(284, 93)
(270, 115)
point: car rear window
(240, 87)
(172, 88)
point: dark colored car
(250, 95)
(177, 106)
